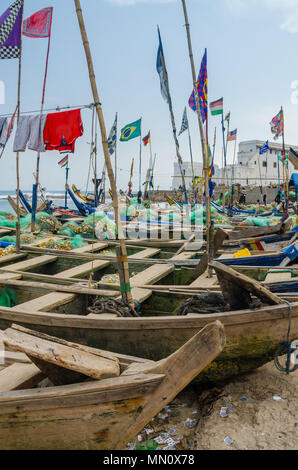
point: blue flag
(162, 71)
(265, 148)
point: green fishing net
(8, 297)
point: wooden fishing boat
(97, 414)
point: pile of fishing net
(260, 221)
(65, 245)
(25, 239)
(7, 250)
(204, 303)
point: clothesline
(57, 109)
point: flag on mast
(39, 25)
(112, 139)
(232, 135)
(216, 107)
(63, 162)
(10, 31)
(131, 131)
(202, 86)
(277, 125)
(162, 71)
(147, 139)
(265, 148)
(184, 125)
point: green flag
(131, 131)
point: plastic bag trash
(149, 431)
(223, 413)
(195, 412)
(277, 398)
(228, 441)
(191, 423)
(161, 439)
(172, 432)
(244, 399)
(170, 442)
(161, 416)
(166, 408)
(140, 438)
(148, 445)
(132, 445)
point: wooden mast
(203, 140)
(18, 225)
(121, 260)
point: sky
(252, 63)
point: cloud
(135, 2)
(287, 9)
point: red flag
(39, 25)
(146, 139)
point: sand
(260, 423)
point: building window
(274, 165)
(265, 164)
(255, 163)
(270, 151)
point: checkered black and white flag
(10, 31)
(184, 125)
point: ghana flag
(131, 131)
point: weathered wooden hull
(103, 414)
(252, 336)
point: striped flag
(147, 139)
(184, 125)
(232, 135)
(265, 148)
(63, 162)
(228, 117)
(216, 107)
(112, 139)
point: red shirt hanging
(62, 130)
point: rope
(115, 306)
(284, 347)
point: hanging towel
(30, 131)
(3, 131)
(62, 130)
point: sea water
(56, 196)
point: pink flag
(39, 25)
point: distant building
(251, 166)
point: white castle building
(249, 168)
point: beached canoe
(252, 335)
(98, 414)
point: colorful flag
(63, 162)
(196, 181)
(113, 137)
(202, 85)
(216, 107)
(162, 71)
(10, 31)
(228, 117)
(184, 125)
(131, 131)
(39, 25)
(147, 139)
(232, 135)
(265, 148)
(277, 124)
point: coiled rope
(285, 347)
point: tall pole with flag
(11, 48)
(184, 127)
(122, 260)
(130, 179)
(165, 91)
(146, 141)
(278, 129)
(39, 25)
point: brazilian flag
(131, 131)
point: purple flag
(10, 31)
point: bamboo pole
(203, 141)
(121, 261)
(18, 225)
